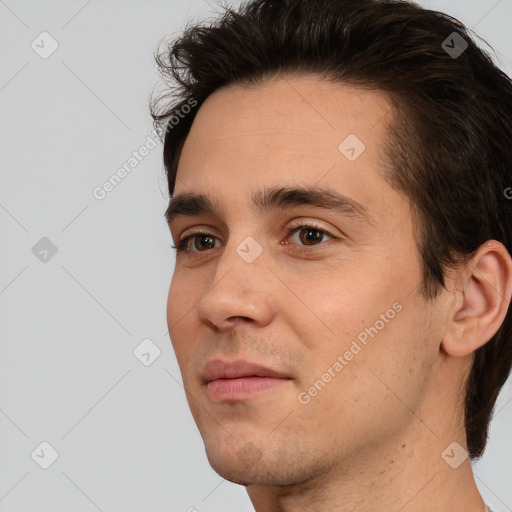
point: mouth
(239, 380)
(241, 388)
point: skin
(373, 437)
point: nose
(240, 290)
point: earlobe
(485, 289)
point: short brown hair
(449, 145)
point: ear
(484, 289)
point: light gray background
(123, 432)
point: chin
(242, 475)
(248, 466)
(241, 465)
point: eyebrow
(279, 198)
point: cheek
(180, 311)
(182, 299)
(370, 319)
(375, 385)
(173, 312)
(344, 300)
(173, 306)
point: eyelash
(181, 247)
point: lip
(218, 369)
(239, 380)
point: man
(339, 306)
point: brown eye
(204, 240)
(207, 240)
(309, 235)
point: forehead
(290, 131)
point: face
(327, 299)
